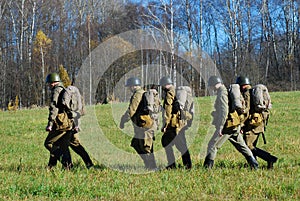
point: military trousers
(77, 147)
(142, 142)
(169, 139)
(236, 139)
(57, 143)
(251, 139)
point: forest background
(256, 38)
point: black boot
(171, 166)
(252, 162)
(66, 159)
(52, 162)
(186, 160)
(83, 154)
(208, 163)
(149, 161)
(170, 158)
(265, 156)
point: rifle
(265, 128)
(264, 138)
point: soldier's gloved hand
(49, 128)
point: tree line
(256, 38)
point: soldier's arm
(134, 104)
(53, 107)
(170, 96)
(223, 110)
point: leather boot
(52, 162)
(149, 161)
(208, 163)
(83, 154)
(252, 162)
(186, 160)
(265, 156)
(171, 166)
(66, 159)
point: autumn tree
(42, 45)
(64, 77)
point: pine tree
(63, 74)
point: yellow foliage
(42, 42)
(13, 106)
(63, 74)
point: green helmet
(213, 80)
(52, 77)
(165, 80)
(241, 80)
(133, 81)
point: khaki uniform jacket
(135, 100)
(221, 108)
(168, 106)
(54, 105)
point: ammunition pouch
(233, 120)
(145, 121)
(256, 119)
(63, 122)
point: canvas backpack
(186, 102)
(151, 101)
(72, 99)
(148, 109)
(236, 107)
(261, 99)
(73, 103)
(235, 97)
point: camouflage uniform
(222, 133)
(57, 141)
(174, 134)
(143, 138)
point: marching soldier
(226, 128)
(142, 141)
(172, 126)
(252, 131)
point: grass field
(118, 174)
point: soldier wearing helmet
(57, 140)
(223, 129)
(252, 132)
(172, 126)
(143, 138)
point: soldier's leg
(181, 145)
(143, 145)
(239, 143)
(80, 150)
(148, 148)
(167, 141)
(55, 152)
(214, 144)
(251, 140)
(63, 150)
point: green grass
(23, 175)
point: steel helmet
(165, 80)
(213, 80)
(52, 77)
(241, 80)
(133, 81)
